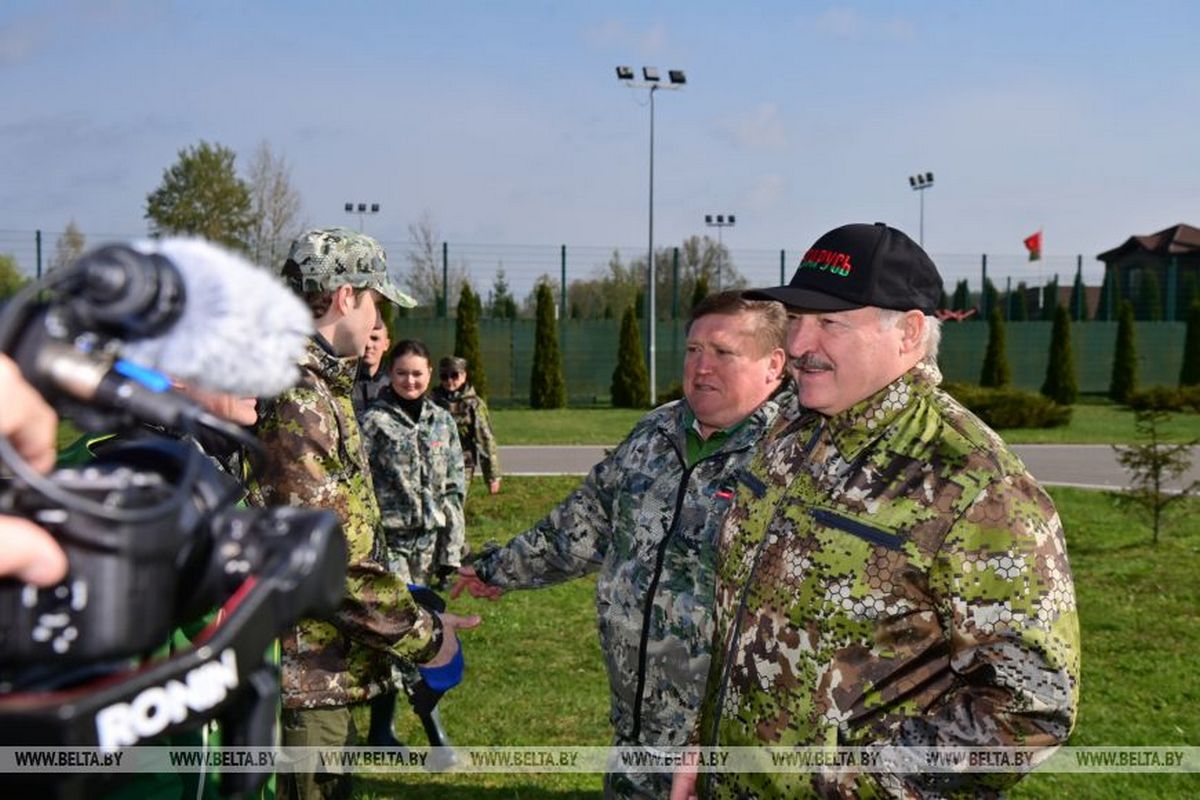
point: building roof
(1176, 240)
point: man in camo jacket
(316, 459)
(646, 518)
(890, 573)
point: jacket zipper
(660, 556)
(741, 609)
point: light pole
(719, 221)
(652, 82)
(362, 210)
(919, 183)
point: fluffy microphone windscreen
(242, 331)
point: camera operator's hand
(27, 552)
(467, 579)
(25, 418)
(451, 623)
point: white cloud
(760, 129)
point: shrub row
(1166, 398)
(1010, 408)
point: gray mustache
(808, 361)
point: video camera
(153, 536)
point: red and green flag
(1033, 244)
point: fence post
(445, 309)
(674, 283)
(983, 295)
(37, 238)
(562, 260)
(1172, 293)
(782, 266)
(1080, 302)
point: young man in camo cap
(317, 460)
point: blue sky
(506, 122)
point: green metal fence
(589, 349)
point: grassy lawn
(1090, 424)
(535, 674)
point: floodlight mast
(362, 209)
(652, 82)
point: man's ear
(912, 331)
(777, 364)
(343, 299)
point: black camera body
(178, 547)
(155, 538)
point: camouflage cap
(326, 258)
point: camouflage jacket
(891, 575)
(316, 459)
(367, 387)
(417, 466)
(474, 429)
(647, 522)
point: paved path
(1091, 466)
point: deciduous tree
(274, 206)
(201, 195)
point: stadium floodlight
(652, 82)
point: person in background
(890, 574)
(456, 394)
(372, 374)
(645, 519)
(417, 467)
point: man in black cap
(890, 573)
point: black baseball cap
(860, 265)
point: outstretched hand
(451, 624)
(467, 579)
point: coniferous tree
(1149, 297)
(466, 337)
(547, 389)
(1078, 299)
(501, 303)
(996, 371)
(989, 299)
(1018, 304)
(1124, 370)
(943, 301)
(1105, 310)
(630, 381)
(962, 296)
(1061, 385)
(1050, 300)
(1188, 291)
(1189, 373)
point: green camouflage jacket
(316, 459)
(647, 523)
(417, 467)
(891, 575)
(474, 429)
